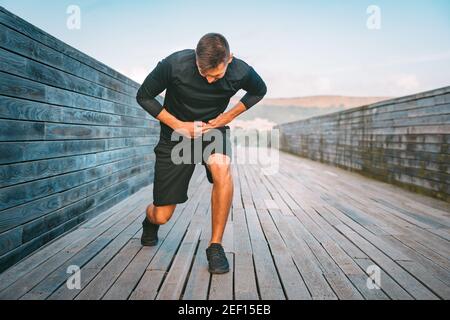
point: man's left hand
(219, 121)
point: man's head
(213, 56)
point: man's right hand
(191, 129)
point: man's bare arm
(186, 128)
(226, 117)
(236, 110)
(168, 119)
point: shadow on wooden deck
(311, 231)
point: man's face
(217, 73)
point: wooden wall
(73, 140)
(404, 141)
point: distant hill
(323, 101)
(280, 110)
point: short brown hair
(212, 50)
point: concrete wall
(404, 141)
(73, 140)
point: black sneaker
(149, 233)
(217, 259)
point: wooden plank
(146, 288)
(389, 250)
(336, 278)
(96, 179)
(293, 284)
(343, 242)
(25, 249)
(307, 264)
(10, 239)
(245, 287)
(24, 172)
(27, 282)
(421, 219)
(128, 279)
(76, 212)
(28, 47)
(269, 283)
(414, 287)
(237, 199)
(28, 151)
(199, 278)
(56, 281)
(432, 265)
(176, 278)
(101, 283)
(14, 130)
(228, 235)
(91, 269)
(28, 264)
(423, 275)
(388, 285)
(148, 285)
(222, 285)
(83, 111)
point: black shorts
(173, 170)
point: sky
(299, 48)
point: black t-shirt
(189, 96)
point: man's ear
(231, 57)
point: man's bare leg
(160, 214)
(222, 194)
(155, 216)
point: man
(199, 86)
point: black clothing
(189, 96)
(171, 181)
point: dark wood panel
(10, 239)
(18, 130)
(20, 109)
(11, 152)
(17, 215)
(32, 70)
(367, 114)
(73, 140)
(13, 130)
(16, 23)
(25, 46)
(83, 112)
(22, 193)
(14, 86)
(26, 171)
(24, 250)
(75, 210)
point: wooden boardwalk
(311, 231)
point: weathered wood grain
(73, 140)
(403, 141)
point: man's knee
(162, 214)
(219, 165)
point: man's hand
(219, 121)
(190, 129)
(194, 129)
